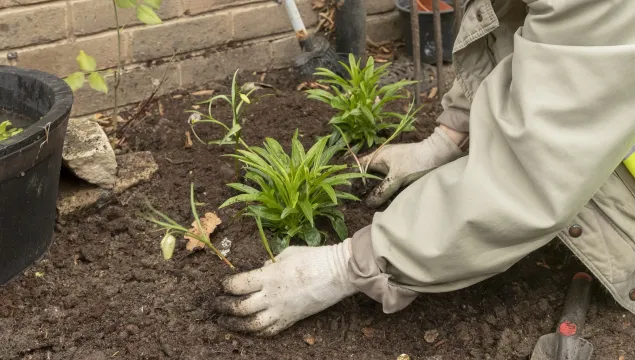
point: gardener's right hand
(404, 163)
(302, 282)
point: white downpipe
(296, 19)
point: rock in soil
(134, 168)
(88, 153)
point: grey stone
(134, 168)
(88, 153)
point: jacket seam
(596, 211)
(588, 263)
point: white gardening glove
(405, 163)
(303, 281)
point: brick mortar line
(127, 32)
(229, 9)
(32, 5)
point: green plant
(291, 192)
(172, 227)
(237, 101)
(145, 12)
(7, 130)
(360, 103)
(405, 121)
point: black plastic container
(426, 32)
(30, 165)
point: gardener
(544, 89)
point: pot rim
(59, 111)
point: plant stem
(115, 112)
(236, 163)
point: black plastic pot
(30, 165)
(426, 32)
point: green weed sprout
(7, 130)
(290, 192)
(172, 227)
(237, 100)
(360, 103)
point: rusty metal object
(438, 39)
(416, 48)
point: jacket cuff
(455, 119)
(368, 275)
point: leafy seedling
(360, 103)
(7, 130)
(238, 100)
(197, 236)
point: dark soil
(105, 292)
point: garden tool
(566, 343)
(317, 52)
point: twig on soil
(145, 103)
(177, 162)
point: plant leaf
(86, 62)
(307, 210)
(287, 211)
(239, 198)
(75, 80)
(330, 192)
(146, 15)
(156, 4)
(245, 98)
(97, 82)
(340, 227)
(125, 4)
(312, 236)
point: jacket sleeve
(548, 126)
(456, 109)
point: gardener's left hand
(303, 281)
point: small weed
(7, 130)
(238, 102)
(198, 233)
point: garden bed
(105, 292)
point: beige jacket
(545, 88)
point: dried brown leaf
(196, 107)
(209, 222)
(317, 4)
(368, 332)
(188, 140)
(203, 93)
(309, 340)
(302, 86)
(433, 92)
(161, 111)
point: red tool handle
(573, 317)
